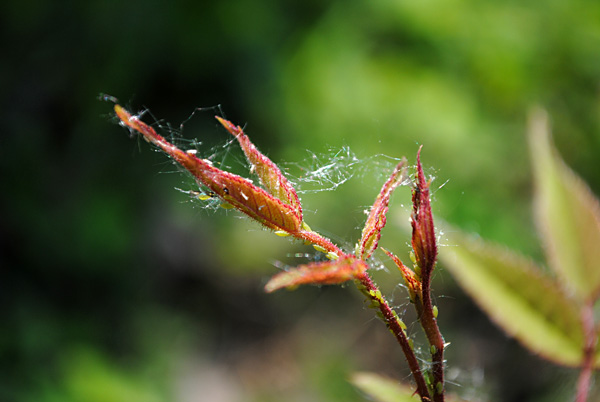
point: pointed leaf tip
(410, 278)
(424, 242)
(268, 172)
(376, 220)
(318, 273)
(567, 213)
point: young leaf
(384, 389)
(410, 278)
(567, 213)
(376, 221)
(319, 273)
(232, 189)
(424, 242)
(514, 293)
(269, 174)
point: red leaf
(233, 189)
(269, 174)
(319, 273)
(423, 232)
(376, 220)
(412, 281)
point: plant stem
(587, 368)
(316, 238)
(434, 336)
(393, 323)
(391, 319)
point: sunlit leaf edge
(561, 342)
(567, 213)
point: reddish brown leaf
(319, 273)
(233, 189)
(423, 232)
(376, 221)
(269, 174)
(412, 281)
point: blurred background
(117, 287)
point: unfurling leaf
(319, 273)
(567, 213)
(234, 190)
(269, 174)
(518, 297)
(423, 232)
(371, 233)
(410, 278)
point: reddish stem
(434, 336)
(315, 238)
(587, 368)
(394, 326)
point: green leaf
(383, 389)
(567, 213)
(518, 297)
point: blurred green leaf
(518, 297)
(567, 213)
(383, 389)
(90, 377)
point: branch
(396, 327)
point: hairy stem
(434, 336)
(315, 238)
(394, 324)
(587, 368)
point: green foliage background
(116, 288)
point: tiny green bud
(435, 311)
(413, 258)
(433, 349)
(428, 377)
(402, 324)
(331, 255)
(281, 233)
(439, 388)
(306, 227)
(320, 248)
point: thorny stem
(585, 377)
(425, 248)
(392, 322)
(390, 317)
(434, 336)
